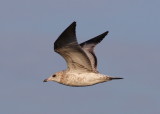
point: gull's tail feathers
(115, 78)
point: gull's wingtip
(106, 32)
(72, 26)
(74, 23)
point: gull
(80, 58)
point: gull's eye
(54, 75)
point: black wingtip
(66, 37)
(106, 32)
(73, 23)
(96, 39)
(71, 27)
(103, 34)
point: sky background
(28, 29)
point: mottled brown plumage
(81, 60)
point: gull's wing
(88, 47)
(66, 45)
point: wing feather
(66, 45)
(88, 47)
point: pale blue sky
(131, 50)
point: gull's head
(55, 77)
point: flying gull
(81, 60)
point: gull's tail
(115, 78)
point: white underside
(84, 79)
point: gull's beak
(46, 80)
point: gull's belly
(84, 79)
